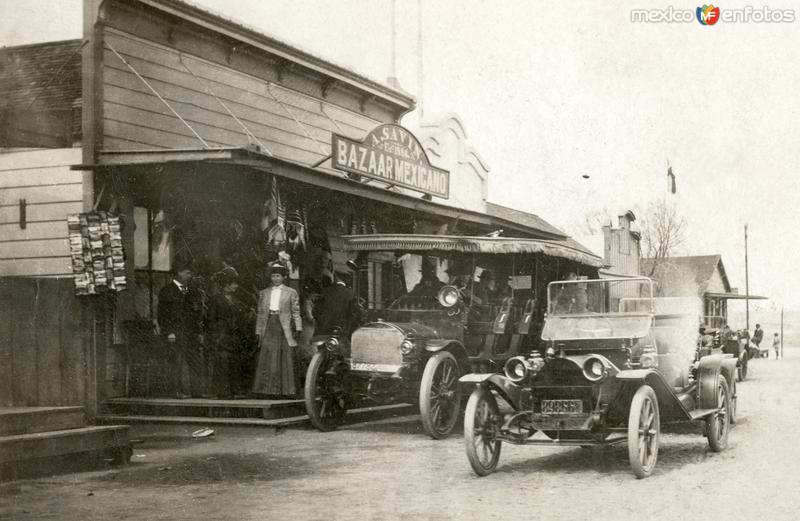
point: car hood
(414, 329)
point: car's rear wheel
(324, 395)
(439, 396)
(718, 424)
(644, 427)
(481, 426)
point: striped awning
(465, 244)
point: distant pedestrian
(758, 335)
(776, 345)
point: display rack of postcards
(98, 260)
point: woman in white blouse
(278, 308)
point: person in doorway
(227, 324)
(776, 345)
(175, 324)
(758, 335)
(278, 309)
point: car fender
(454, 346)
(708, 371)
(508, 390)
(670, 406)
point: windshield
(605, 308)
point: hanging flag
(671, 180)
(296, 230)
(274, 219)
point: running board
(567, 443)
(699, 414)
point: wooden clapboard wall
(51, 191)
(291, 124)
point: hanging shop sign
(394, 155)
(98, 260)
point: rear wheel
(644, 427)
(481, 425)
(439, 396)
(718, 424)
(324, 396)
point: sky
(550, 94)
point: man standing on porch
(175, 325)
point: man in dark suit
(175, 323)
(337, 308)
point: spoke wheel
(733, 399)
(481, 425)
(718, 424)
(440, 397)
(644, 427)
(324, 396)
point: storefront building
(207, 143)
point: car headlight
(448, 296)
(648, 359)
(406, 347)
(332, 344)
(594, 369)
(516, 368)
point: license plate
(373, 368)
(562, 406)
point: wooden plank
(46, 175)
(7, 303)
(36, 267)
(33, 231)
(36, 159)
(41, 212)
(48, 342)
(25, 385)
(42, 194)
(56, 443)
(58, 247)
(75, 331)
(28, 420)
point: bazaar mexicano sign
(392, 154)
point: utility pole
(781, 332)
(746, 286)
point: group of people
(730, 341)
(229, 349)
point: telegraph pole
(746, 286)
(781, 332)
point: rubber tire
(712, 425)
(310, 396)
(476, 399)
(425, 407)
(643, 395)
(733, 401)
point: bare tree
(662, 231)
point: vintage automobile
(612, 368)
(415, 349)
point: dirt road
(390, 470)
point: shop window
(152, 257)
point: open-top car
(614, 364)
(460, 304)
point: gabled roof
(31, 72)
(680, 274)
(526, 219)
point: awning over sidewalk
(317, 176)
(452, 243)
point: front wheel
(439, 396)
(481, 424)
(324, 396)
(733, 399)
(644, 427)
(717, 424)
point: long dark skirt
(276, 366)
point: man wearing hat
(278, 310)
(175, 323)
(429, 284)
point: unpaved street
(390, 470)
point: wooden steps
(275, 414)
(45, 440)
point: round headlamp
(516, 369)
(406, 347)
(448, 296)
(594, 369)
(331, 344)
